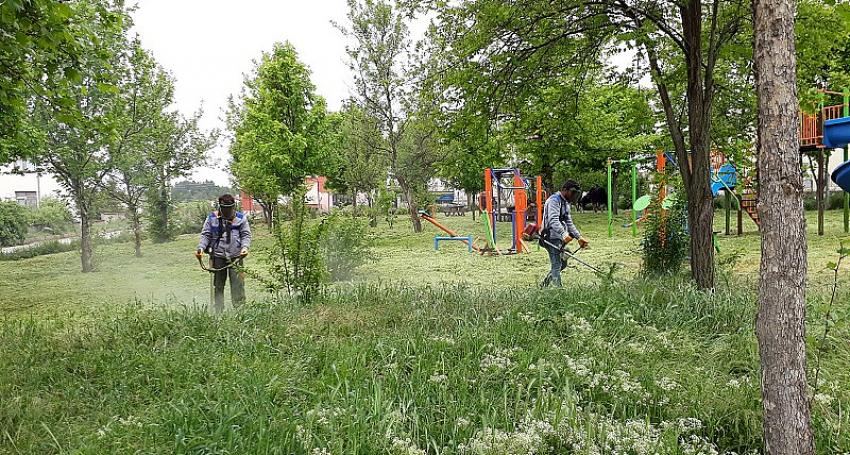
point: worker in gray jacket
(558, 228)
(226, 237)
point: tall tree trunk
(780, 324)
(701, 223)
(85, 235)
(470, 203)
(354, 204)
(137, 228)
(411, 205)
(163, 207)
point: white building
(19, 182)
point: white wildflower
(667, 384)
(405, 447)
(462, 423)
(823, 398)
(444, 340)
(438, 378)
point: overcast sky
(208, 45)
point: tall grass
(651, 366)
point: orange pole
(452, 233)
(520, 207)
(539, 203)
(488, 193)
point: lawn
(423, 352)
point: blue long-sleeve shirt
(213, 234)
(557, 218)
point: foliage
(52, 215)
(189, 217)
(665, 241)
(279, 128)
(361, 167)
(384, 85)
(43, 248)
(42, 39)
(385, 206)
(295, 266)
(13, 223)
(78, 132)
(161, 225)
(344, 245)
(188, 190)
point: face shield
(227, 211)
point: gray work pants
(237, 284)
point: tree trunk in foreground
(780, 324)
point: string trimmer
(567, 255)
(230, 263)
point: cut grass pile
(640, 368)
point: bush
(52, 215)
(836, 201)
(13, 223)
(295, 267)
(189, 217)
(344, 246)
(51, 247)
(665, 242)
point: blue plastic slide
(836, 134)
(841, 176)
(726, 177)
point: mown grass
(424, 352)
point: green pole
(846, 113)
(634, 198)
(728, 211)
(610, 205)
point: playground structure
(724, 177)
(505, 197)
(829, 128)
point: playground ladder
(749, 198)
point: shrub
(344, 246)
(836, 201)
(13, 223)
(295, 265)
(51, 247)
(189, 217)
(665, 242)
(52, 215)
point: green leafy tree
(279, 128)
(77, 134)
(384, 89)
(178, 146)
(146, 92)
(360, 169)
(42, 40)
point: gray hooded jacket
(214, 235)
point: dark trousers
(237, 284)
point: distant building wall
(28, 186)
